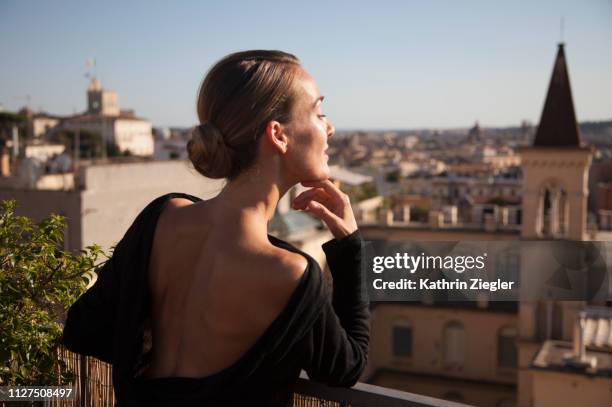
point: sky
(381, 65)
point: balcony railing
(309, 393)
(93, 388)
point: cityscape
(543, 180)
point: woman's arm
(336, 348)
(89, 326)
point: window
(562, 213)
(508, 265)
(506, 347)
(402, 339)
(454, 344)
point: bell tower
(556, 167)
(100, 101)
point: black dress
(326, 334)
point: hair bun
(208, 152)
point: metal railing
(310, 394)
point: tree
(9, 120)
(38, 282)
(392, 176)
(498, 200)
(90, 142)
(112, 150)
(361, 192)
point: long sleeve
(90, 322)
(93, 320)
(336, 348)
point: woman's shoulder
(283, 271)
(290, 275)
(294, 262)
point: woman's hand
(325, 201)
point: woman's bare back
(212, 297)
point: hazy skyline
(395, 64)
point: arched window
(506, 347)
(402, 339)
(553, 211)
(563, 213)
(454, 344)
(546, 212)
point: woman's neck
(250, 202)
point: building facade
(485, 354)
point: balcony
(309, 393)
(93, 388)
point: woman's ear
(276, 136)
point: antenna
(90, 66)
(562, 29)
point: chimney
(406, 213)
(490, 223)
(579, 346)
(503, 215)
(436, 219)
(5, 163)
(15, 135)
(450, 214)
(578, 358)
(386, 217)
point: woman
(230, 314)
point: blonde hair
(238, 97)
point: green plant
(38, 282)
(90, 142)
(112, 150)
(498, 200)
(361, 192)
